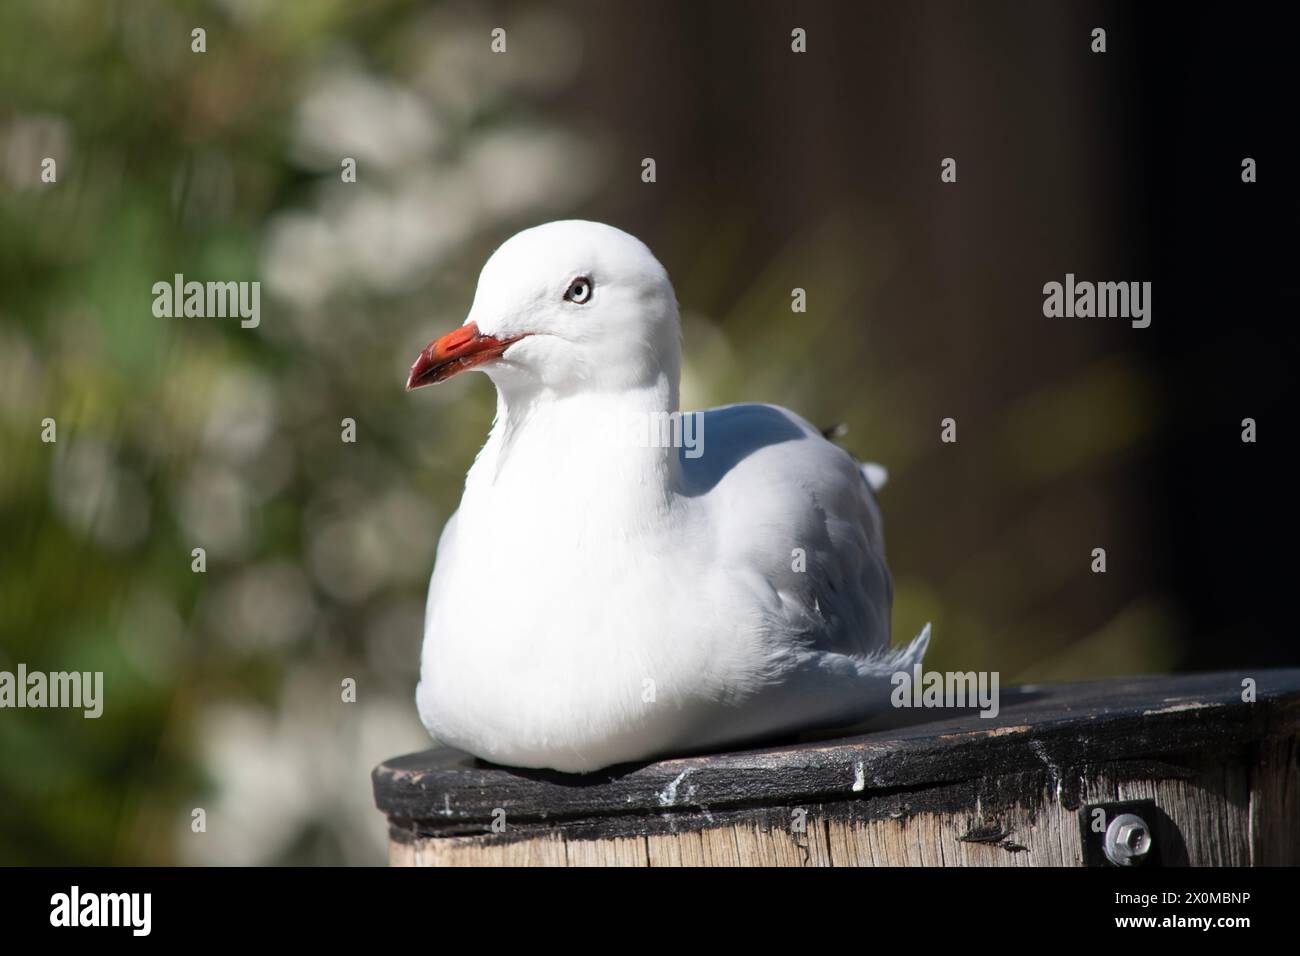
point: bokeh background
(775, 170)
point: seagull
(610, 592)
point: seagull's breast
(591, 614)
(567, 642)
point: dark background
(1225, 520)
(1119, 165)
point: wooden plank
(630, 851)
(1274, 812)
(1208, 816)
(955, 791)
(1042, 728)
(676, 849)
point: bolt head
(1128, 840)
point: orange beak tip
(464, 348)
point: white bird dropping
(605, 594)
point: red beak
(455, 352)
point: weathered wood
(1274, 815)
(951, 789)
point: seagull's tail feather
(867, 705)
(891, 660)
(914, 653)
(875, 475)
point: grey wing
(845, 593)
(801, 531)
(800, 509)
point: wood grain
(957, 791)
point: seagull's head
(565, 307)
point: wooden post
(1214, 778)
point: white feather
(596, 602)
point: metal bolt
(1128, 840)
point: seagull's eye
(579, 290)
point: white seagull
(603, 595)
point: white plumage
(598, 599)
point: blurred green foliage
(178, 433)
